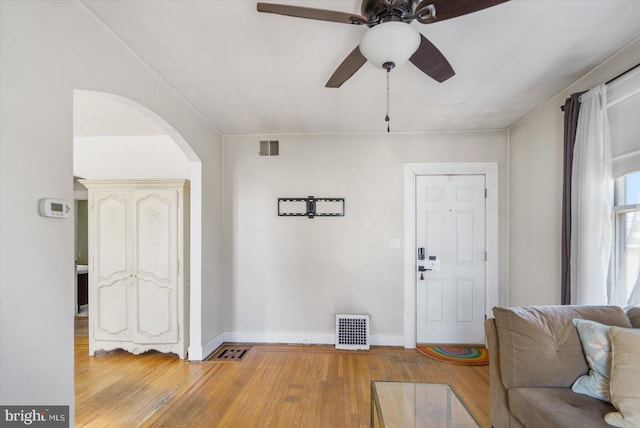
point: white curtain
(591, 201)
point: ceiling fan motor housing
(377, 11)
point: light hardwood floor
(273, 386)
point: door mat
(464, 355)
(230, 353)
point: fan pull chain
(386, 118)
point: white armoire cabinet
(138, 265)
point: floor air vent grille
(230, 353)
(352, 332)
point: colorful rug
(456, 354)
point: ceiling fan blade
(431, 61)
(447, 9)
(311, 13)
(349, 66)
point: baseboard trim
(305, 338)
(202, 353)
(281, 337)
(386, 340)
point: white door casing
(450, 224)
(411, 171)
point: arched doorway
(117, 138)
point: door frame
(411, 171)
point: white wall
(97, 114)
(48, 50)
(287, 277)
(134, 157)
(535, 190)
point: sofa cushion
(557, 407)
(539, 345)
(596, 345)
(625, 378)
(633, 312)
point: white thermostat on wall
(56, 208)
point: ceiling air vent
(269, 147)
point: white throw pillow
(596, 345)
(625, 378)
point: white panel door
(450, 216)
(156, 259)
(109, 299)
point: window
(626, 241)
(623, 95)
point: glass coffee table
(406, 404)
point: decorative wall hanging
(311, 207)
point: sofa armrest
(633, 312)
(499, 411)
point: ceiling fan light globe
(388, 42)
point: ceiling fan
(390, 40)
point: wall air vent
(269, 147)
(352, 332)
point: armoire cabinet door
(112, 269)
(138, 246)
(156, 259)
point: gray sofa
(535, 356)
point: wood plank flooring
(273, 386)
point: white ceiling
(253, 73)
